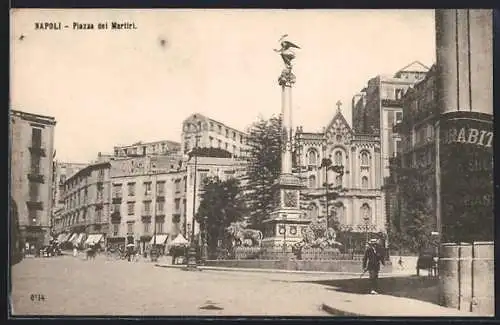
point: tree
(416, 211)
(221, 204)
(263, 169)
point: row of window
(83, 180)
(142, 149)
(313, 158)
(81, 197)
(68, 221)
(146, 186)
(230, 134)
(312, 183)
(147, 228)
(146, 207)
(339, 213)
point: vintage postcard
(238, 162)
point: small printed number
(37, 297)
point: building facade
(31, 171)
(87, 204)
(163, 147)
(204, 132)
(148, 198)
(417, 157)
(61, 171)
(379, 107)
(360, 204)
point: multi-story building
(87, 203)
(212, 134)
(223, 168)
(418, 151)
(148, 197)
(359, 206)
(381, 108)
(61, 171)
(163, 147)
(31, 155)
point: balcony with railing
(35, 177)
(390, 102)
(148, 195)
(32, 204)
(37, 150)
(116, 198)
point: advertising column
(464, 43)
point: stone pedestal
(285, 224)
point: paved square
(73, 286)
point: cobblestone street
(73, 286)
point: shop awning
(72, 237)
(79, 238)
(93, 239)
(179, 241)
(160, 239)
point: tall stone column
(464, 44)
(286, 81)
(286, 222)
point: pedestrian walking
(75, 251)
(400, 263)
(371, 264)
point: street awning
(72, 237)
(160, 239)
(93, 239)
(79, 238)
(179, 241)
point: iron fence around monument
(277, 253)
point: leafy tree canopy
(221, 204)
(263, 168)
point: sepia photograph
(251, 162)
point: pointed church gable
(339, 131)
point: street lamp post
(192, 255)
(339, 169)
(194, 187)
(284, 234)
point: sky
(112, 87)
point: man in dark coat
(371, 262)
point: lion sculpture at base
(243, 236)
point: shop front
(115, 243)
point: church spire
(339, 103)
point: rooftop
(212, 120)
(34, 117)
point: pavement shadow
(413, 287)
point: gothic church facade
(359, 206)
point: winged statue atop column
(286, 51)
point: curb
(234, 269)
(337, 312)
